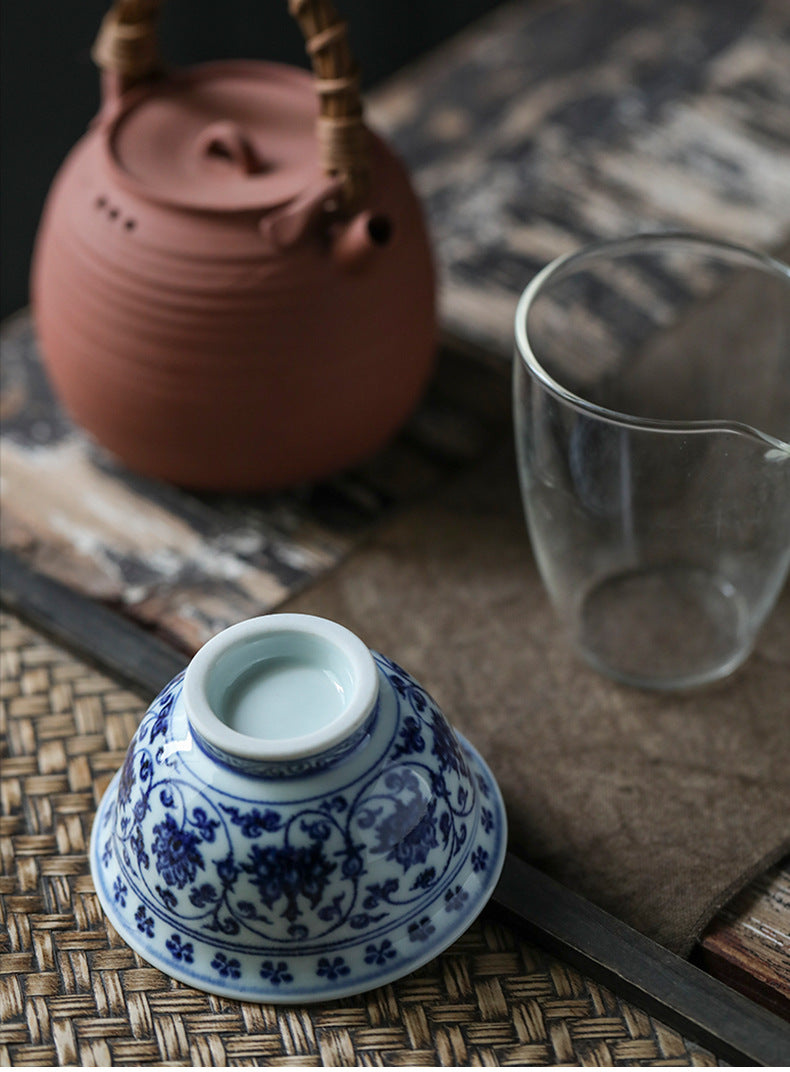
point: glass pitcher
(652, 418)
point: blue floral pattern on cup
(283, 890)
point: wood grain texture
(71, 992)
(560, 122)
(187, 565)
(748, 943)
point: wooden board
(555, 123)
(748, 943)
(187, 565)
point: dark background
(50, 86)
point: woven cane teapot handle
(127, 47)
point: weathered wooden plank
(186, 565)
(748, 943)
(101, 636)
(556, 123)
(123, 540)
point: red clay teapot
(232, 282)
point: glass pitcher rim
(615, 247)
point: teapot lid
(223, 137)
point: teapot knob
(225, 140)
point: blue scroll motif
(240, 870)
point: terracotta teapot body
(204, 307)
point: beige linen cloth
(656, 807)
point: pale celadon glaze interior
(280, 687)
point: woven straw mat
(71, 992)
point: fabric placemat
(72, 993)
(656, 807)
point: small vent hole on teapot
(130, 224)
(100, 202)
(114, 213)
(380, 229)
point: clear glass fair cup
(652, 421)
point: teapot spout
(356, 243)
